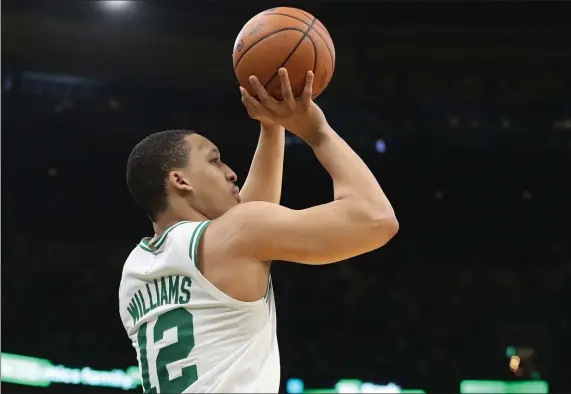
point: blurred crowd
(481, 262)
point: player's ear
(179, 181)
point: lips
(236, 193)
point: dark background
(471, 99)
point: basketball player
(197, 299)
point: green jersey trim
(152, 246)
(195, 240)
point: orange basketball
(284, 37)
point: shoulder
(224, 256)
(250, 210)
(240, 232)
(246, 223)
(250, 213)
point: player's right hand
(300, 116)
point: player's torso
(189, 336)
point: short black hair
(148, 167)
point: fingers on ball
(308, 88)
(247, 99)
(261, 92)
(287, 93)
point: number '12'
(173, 336)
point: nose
(231, 175)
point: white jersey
(189, 336)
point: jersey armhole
(204, 282)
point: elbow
(385, 227)
(391, 226)
(378, 223)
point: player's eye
(216, 160)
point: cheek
(209, 179)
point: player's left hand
(300, 116)
(256, 112)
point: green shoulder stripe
(195, 240)
(161, 240)
(152, 246)
(143, 245)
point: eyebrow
(215, 151)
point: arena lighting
(504, 387)
(381, 146)
(116, 4)
(296, 386)
(32, 371)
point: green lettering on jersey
(157, 293)
(142, 299)
(134, 310)
(142, 342)
(164, 293)
(171, 353)
(186, 291)
(173, 287)
(153, 305)
(138, 302)
(172, 376)
(177, 291)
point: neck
(169, 218)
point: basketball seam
(318, 24)
(262, 39)
(292, 51)
(299, 19)
(314, 54)
(316, 32)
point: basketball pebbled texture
(284, 37)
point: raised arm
(264, 181)
(358, 220)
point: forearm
(264, 180)
(351, 176)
